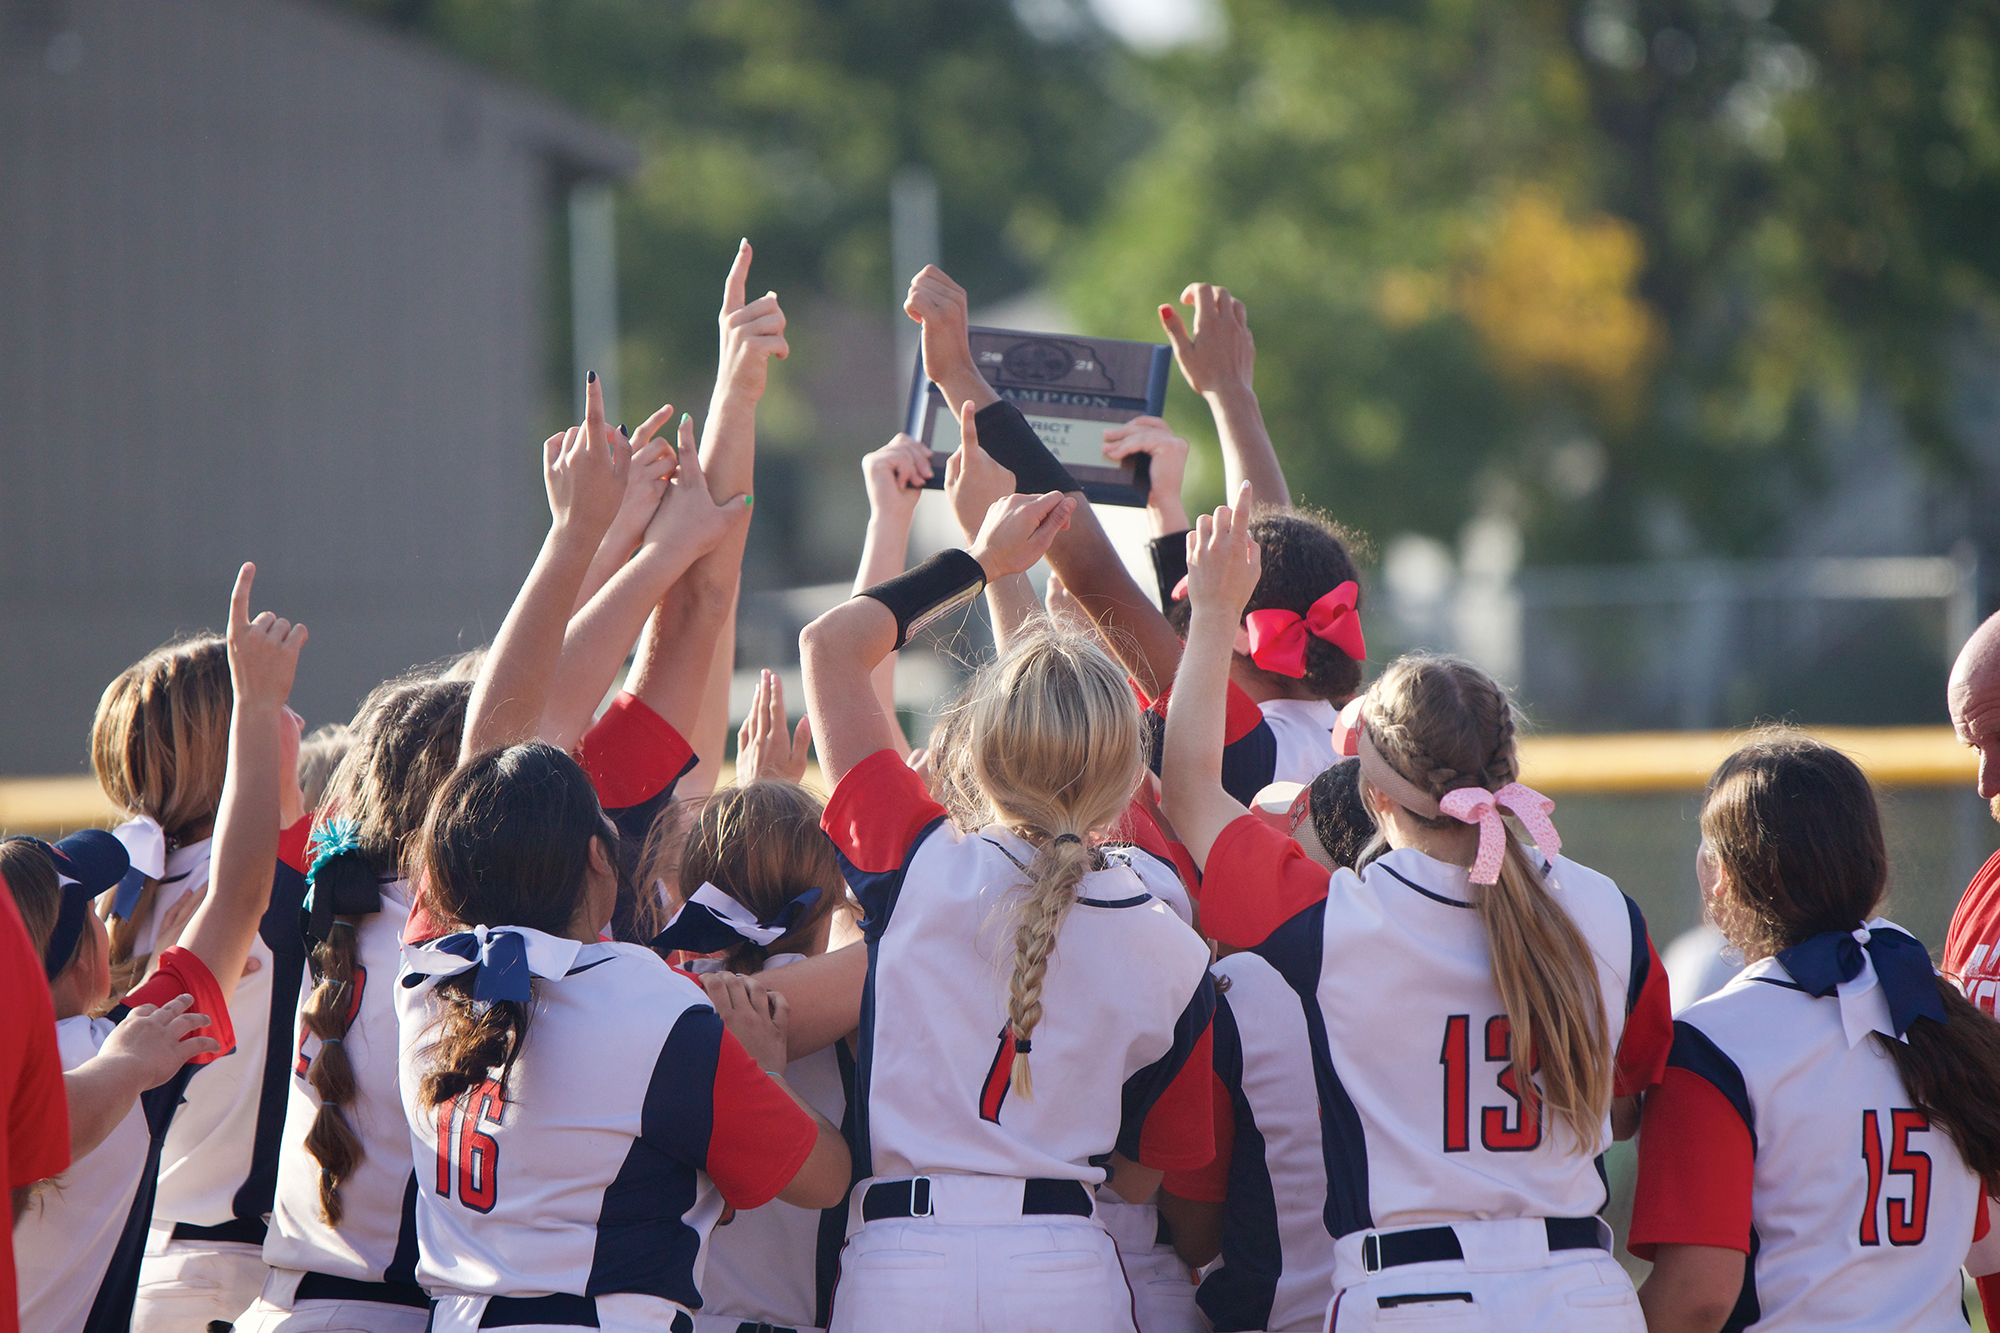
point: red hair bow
(1278, 637)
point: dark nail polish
(591, 378)
(622, 431)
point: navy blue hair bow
(711, 921)
(1902, 969)
(504, 959)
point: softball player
(992, 950)
(1457, 1190)
(1814, 1157)
(569, 1171)
(80, 1255)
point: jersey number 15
(478, 1157)
(1908, 1220)
(1501, 1128)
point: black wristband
(1169, 563)
(1012, 443)
(937, 587)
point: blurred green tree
(1608, 264)
(784, 120)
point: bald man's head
(1973, 696)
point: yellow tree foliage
(1553, 298)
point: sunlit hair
(160, 746)
(507, 843)
(1304, 555)
(37, 889)
(1795, 830)
(1445, 724)
(320, 752)
(401, 748)
(1051, 742)
(763, 846)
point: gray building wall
(272, 287)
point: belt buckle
(920, 1196)
(1371, 1253)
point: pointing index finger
(739, 278)
(239, 597)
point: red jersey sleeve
(1241, 715)
(1696, 1165)
(632, 753)
(183, 973)
(878, 811)
(292, 844)
(1972, 945)
(1982, 1221)
(1210, 1183)
(36, 1138)
(1179, 1130)
(1256, 879)
(1649, 1032)
(760, 1137)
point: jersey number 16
(1501, 1128)
(478, 1157)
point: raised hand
(154, 1041)
(1218, 354)
(584, 470)
(765, 749)
(752, 332)
(687, 514)
(264, 652)
(895, 475)
(1153, 437)
(653, 462)
(1223, 562)
(1065, 612)
(1017, 531)
(939, 304)
(973, 482)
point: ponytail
(1951, 1071)
(1547, 978)
(470, 1045)
(1053, 875)
(327, 1014)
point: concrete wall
(272, 287)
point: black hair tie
(1067, 837)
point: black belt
(560, 1308)
(912, 1198)
(245, 1230)
(327, 1287)
(1427, 1245)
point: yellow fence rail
(1646, 761)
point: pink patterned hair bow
(1278, 637)
(1474, 805)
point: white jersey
(1428, 1127)
(78, 1245)
(376, 1239)
(775, 1264)
(1126, 1000)
(1859, 1211)
(627, 1120)
(218, 1168)
(1276, 1268)
(1303, 731)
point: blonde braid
(1052, 879)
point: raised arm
(686, 525)
(653, 462)
(840, 648)
(263, 657)
(1223, 566)
(584, 471)
(1218, 357)
(1146, 644)
(895, 475)
(752, 333)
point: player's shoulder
(1248, 971)
(1975, 922)
(1155, 876)
(1755, 1011)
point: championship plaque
(1071, 390)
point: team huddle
(1185, 979)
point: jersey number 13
(1501, 1128)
